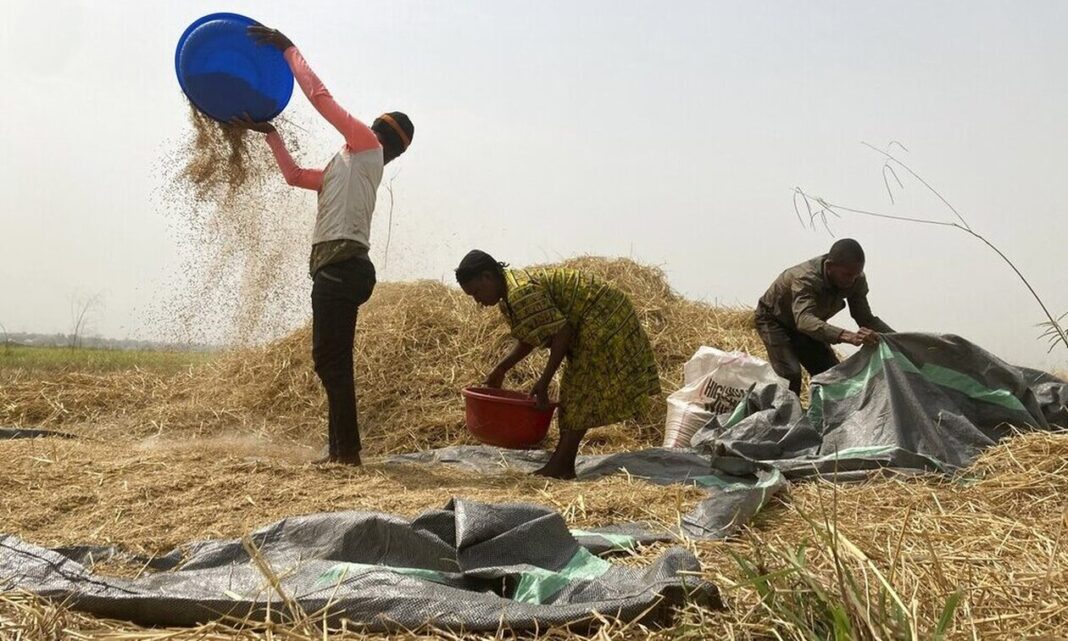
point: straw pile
(71, 398)
(418, 345)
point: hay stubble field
(171, 448)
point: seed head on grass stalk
(818, 209)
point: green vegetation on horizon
(94, 360)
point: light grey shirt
(347, 197)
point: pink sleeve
(294, 175)
(358, 136)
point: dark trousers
(338, 290)
(790, 350)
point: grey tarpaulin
(7, 433)
(912, 402)
(915, 403)
(470, 566)
(736, 490)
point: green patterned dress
(610, 372)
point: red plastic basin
(504, 418)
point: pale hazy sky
(672, 132)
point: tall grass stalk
(818, 209)
(856, 600)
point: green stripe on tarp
(341, 570)
(718, 482)
(618, 541)
(974, 389)
(538, 585)
(876, 452)
(764, 486)
(862, 452)
(815, 406)
(942, 376)
(741, 411)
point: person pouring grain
(342, 273)
(791, 317)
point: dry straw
(219, 449)
(153, 496)
(418, 345)
(993, 537)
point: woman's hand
(495, 379)
(541, 395)
(267, 36)
(559, 346)
(245, 122)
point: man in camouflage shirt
(791, 317)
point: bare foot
(349, 459)
(561, 463)
(555, 471)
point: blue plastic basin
(224, 73)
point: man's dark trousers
(789, 350)
(338, 290)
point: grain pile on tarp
(469, 567)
